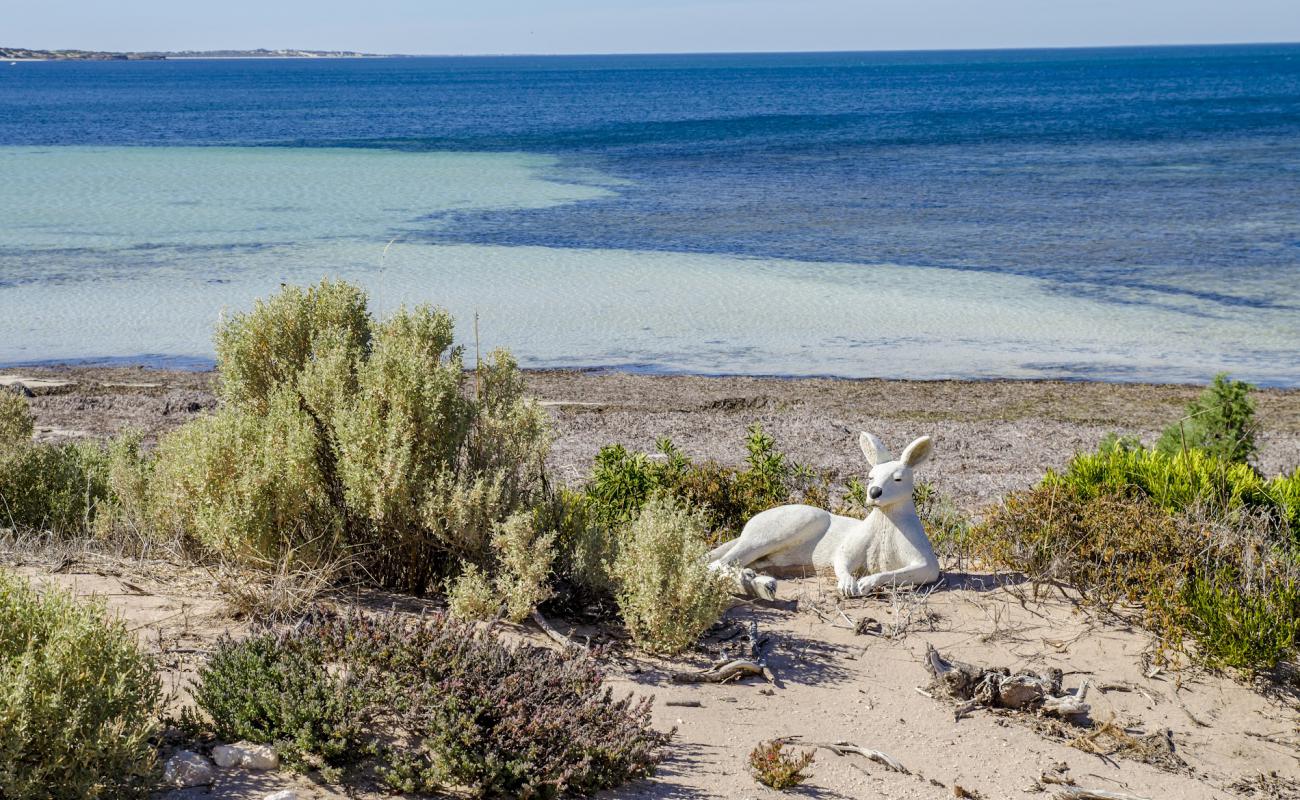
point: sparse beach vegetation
(348, 449)
(79, 702)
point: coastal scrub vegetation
(344, 436)
(623, 481)
(431, 704)
(43, 486)
(780, 770)
(667, 594)
(1193, 537)
(78, 701)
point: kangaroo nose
(876, 492)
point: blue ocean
(1128, 214)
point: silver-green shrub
(667, 593)
(52, 487)
(78, 701)
(343, 436)
(322, 328)
(16, 424)
(244, 484)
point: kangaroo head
(890, 481)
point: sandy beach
(1179, 733)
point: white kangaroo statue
(888, 548)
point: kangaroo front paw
(765, 587)
(868, 584)
(848, 587)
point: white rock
(245, 755)
(188, 769)
(283, 794)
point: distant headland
(24, 54)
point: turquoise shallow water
(119, 252)
(1121, 214)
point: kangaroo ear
(917, 452)
(873, 449)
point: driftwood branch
(974, 687)
(849, 748)
(551, 631)
(727, 669)
(1080, 793)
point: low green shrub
(1220, 422)
(584, 547)
(278, 690)
(775, 768)
(1181, 482)
(1112, 549)
(343, 436)
(1230, 583)
(16, 423)
(471, 597)
(246, 486)
(53, 487)
(78, 701)
(447, 707)
(666, 592)
(622, 482)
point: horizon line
(538, 54)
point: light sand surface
(835, 685)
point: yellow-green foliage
(345, 436)
(524, 558)
(666, 592)
(78, 701)
(244, 484)
(126, 509)
(323, 330)
(1231, 583)
(523, 572)
(1182, 481)
(471, 596)
(622, 481)
(16, 424)
(52, 487)
(585, 547)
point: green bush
(343, 436)
(446, 707)
(1221, 423)
(666, 592)
(774, 767)
(78, 701)
(1250, 625)
(622, 482)
(585, 547)
(53, 487)
(1182, 482)
(246, 485)
(16, 423)
(1231, 583)
(278, 690)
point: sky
(622, 26)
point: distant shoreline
(15, 54)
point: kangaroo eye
(898, 476)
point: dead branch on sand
(1080, 793)
(849, 748)
(728, 669)
(553, 632)
(998, 688)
